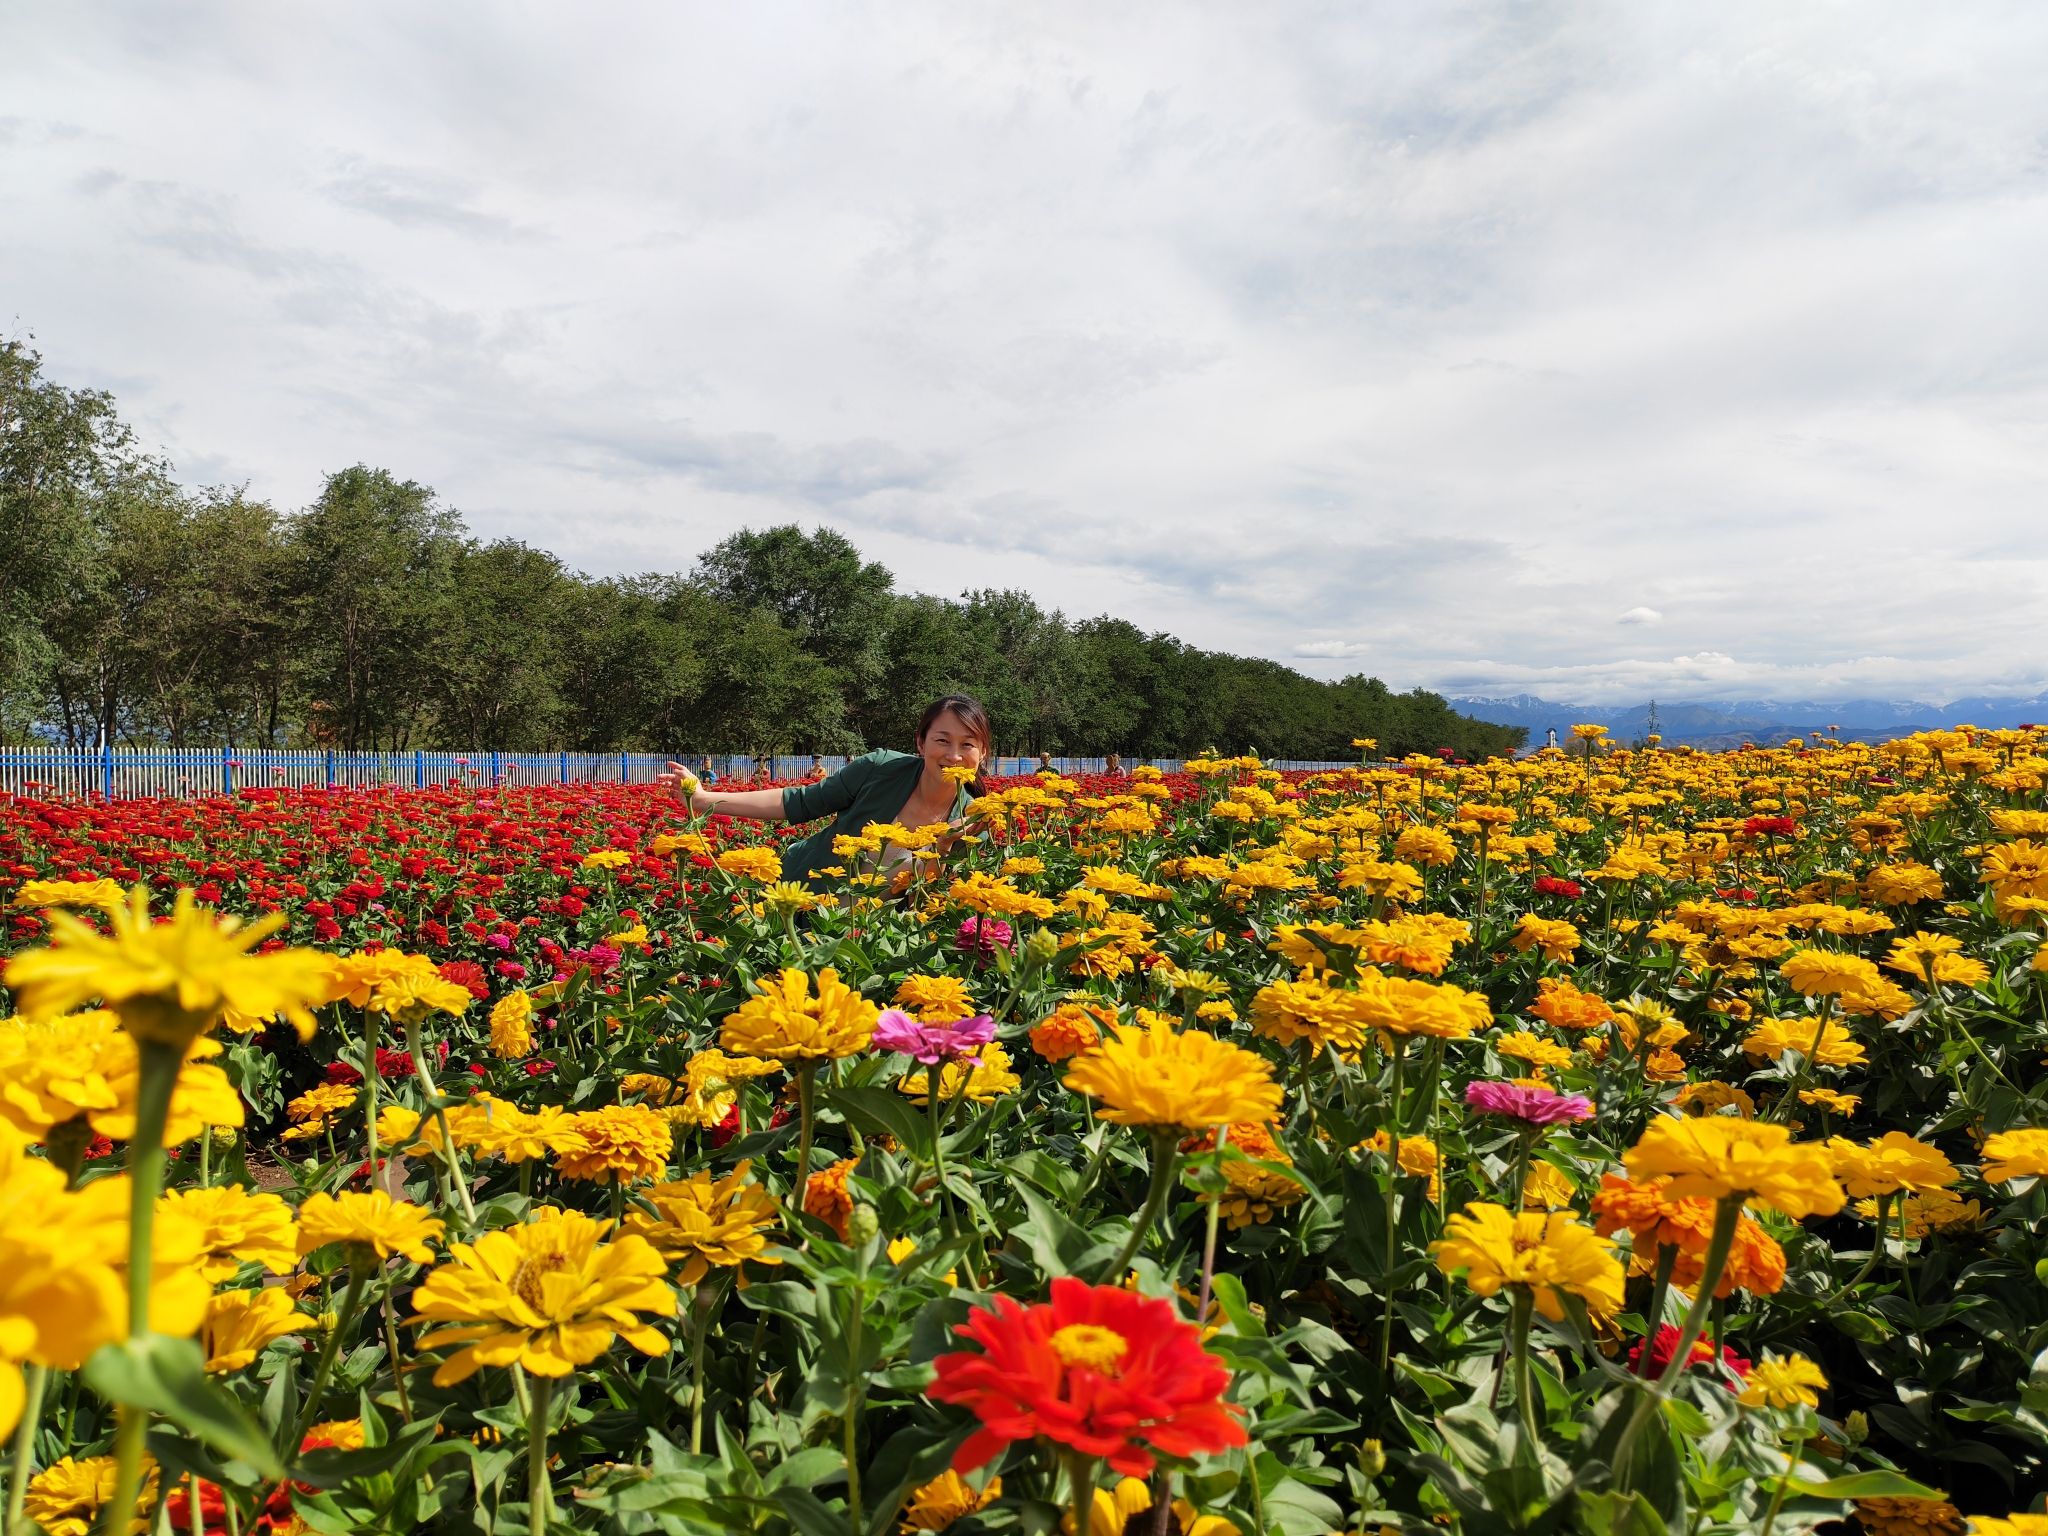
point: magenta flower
(1532, 1106)
(931, 1044)
(980, 937)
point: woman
(906, 789)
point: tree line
(134, 611)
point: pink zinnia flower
(931, 1044)
(1532, 1106)
(980, 937)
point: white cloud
(1421, 333)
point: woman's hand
(682, 783)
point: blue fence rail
(143, 773)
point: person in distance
(905, 789)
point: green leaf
(168, 1377)
(1879, 1483)
(884, 1112)
(1620, 1514)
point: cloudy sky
(1594, 350)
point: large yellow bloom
(1815, 972)
(943, 1500)
(621, 1141)
(786, 1021)
(503, 1129)
(1783, 1381)
(981, 1082)
(1715, 1158)
(85, 1067)
(512, 1026)
(1893, 1162)
(1399, 1005)
(1548, 1253)
(239, 1323)
(371, 1220)
(1154, 1076)
(61, 1296)
(1772, 1038)
(548, 1295)
(236, 1227)
(2020, 1154)
(704, 1223)
(40, 895)
(174, 980)
(66, 1497)
(1309, 1008)
(708, 1089)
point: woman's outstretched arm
(753, 804)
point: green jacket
(867, 790)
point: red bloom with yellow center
(1098, 1370)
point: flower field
(1606, 1141)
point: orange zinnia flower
(1755, 1263)
(1097, 1369)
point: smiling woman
(904, 789)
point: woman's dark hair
(973, 716)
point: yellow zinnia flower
(170, 982)
(1819, 972)
(371, 1220)
(1783, 1381)
(1548, 1253)
(621, 1141)
(786, 1021)
(705, 1223)
(239, 1323)
(1893, 1162)
(40, 895)
(943, 1500)
(84, 1068)
(66, 1497)
(1716, 1158)
(237, 1226)
(547, 1295)
(62, 1294)
(1157, 1077)
(2020, 1154)
(512, 1026)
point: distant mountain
(1719, 723)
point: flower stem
(1398, 1046)
(370, 1076)
(1877, 1242)
(1165, 1156)
(1081, 1493)
(1523, 1305)
(1784, 1482)
(38, 1379)
(932, 1077)
(1660, 1284)
(1209, 1240)
(351, 1304)
(159, 1064)
(537, 1493)
(709, 1314)
(1726, 1215)
(448, 1152)
(806, 1074)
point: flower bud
(1042, 947)
(862, 1225)
(1856, 1428)
(1372, 1458)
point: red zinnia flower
(1097, 1369)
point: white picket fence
(144, 773)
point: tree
(371, 582)
(816, 586)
